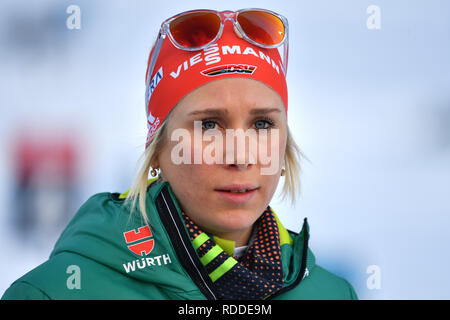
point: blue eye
(259, 124)
(263, 124)
(209, 124)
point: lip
(237, 198)
(237, 186)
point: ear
(153, 161)
(155, 164)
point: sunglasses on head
(197, 29)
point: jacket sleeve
(21, 290)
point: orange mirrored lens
(262, 27)
(195, 29)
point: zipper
(301, 275)
(182, 244)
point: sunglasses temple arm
(286, 53)
(151, 67)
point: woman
(202, 227)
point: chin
(235, 219)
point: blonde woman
(218, 143)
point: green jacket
(107, 253)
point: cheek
(277, 147)
(191, 182)
(272, 149)
(178, 167)
(270, 182)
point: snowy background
(370, 108)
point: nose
(241, 155)
(239, 167)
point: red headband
(178, 72)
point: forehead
(231, 93)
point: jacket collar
(297, 258)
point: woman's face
(208, 192)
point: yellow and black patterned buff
(257, 275)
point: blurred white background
(370, 108)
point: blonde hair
(138, 190)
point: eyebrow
(222, 112)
